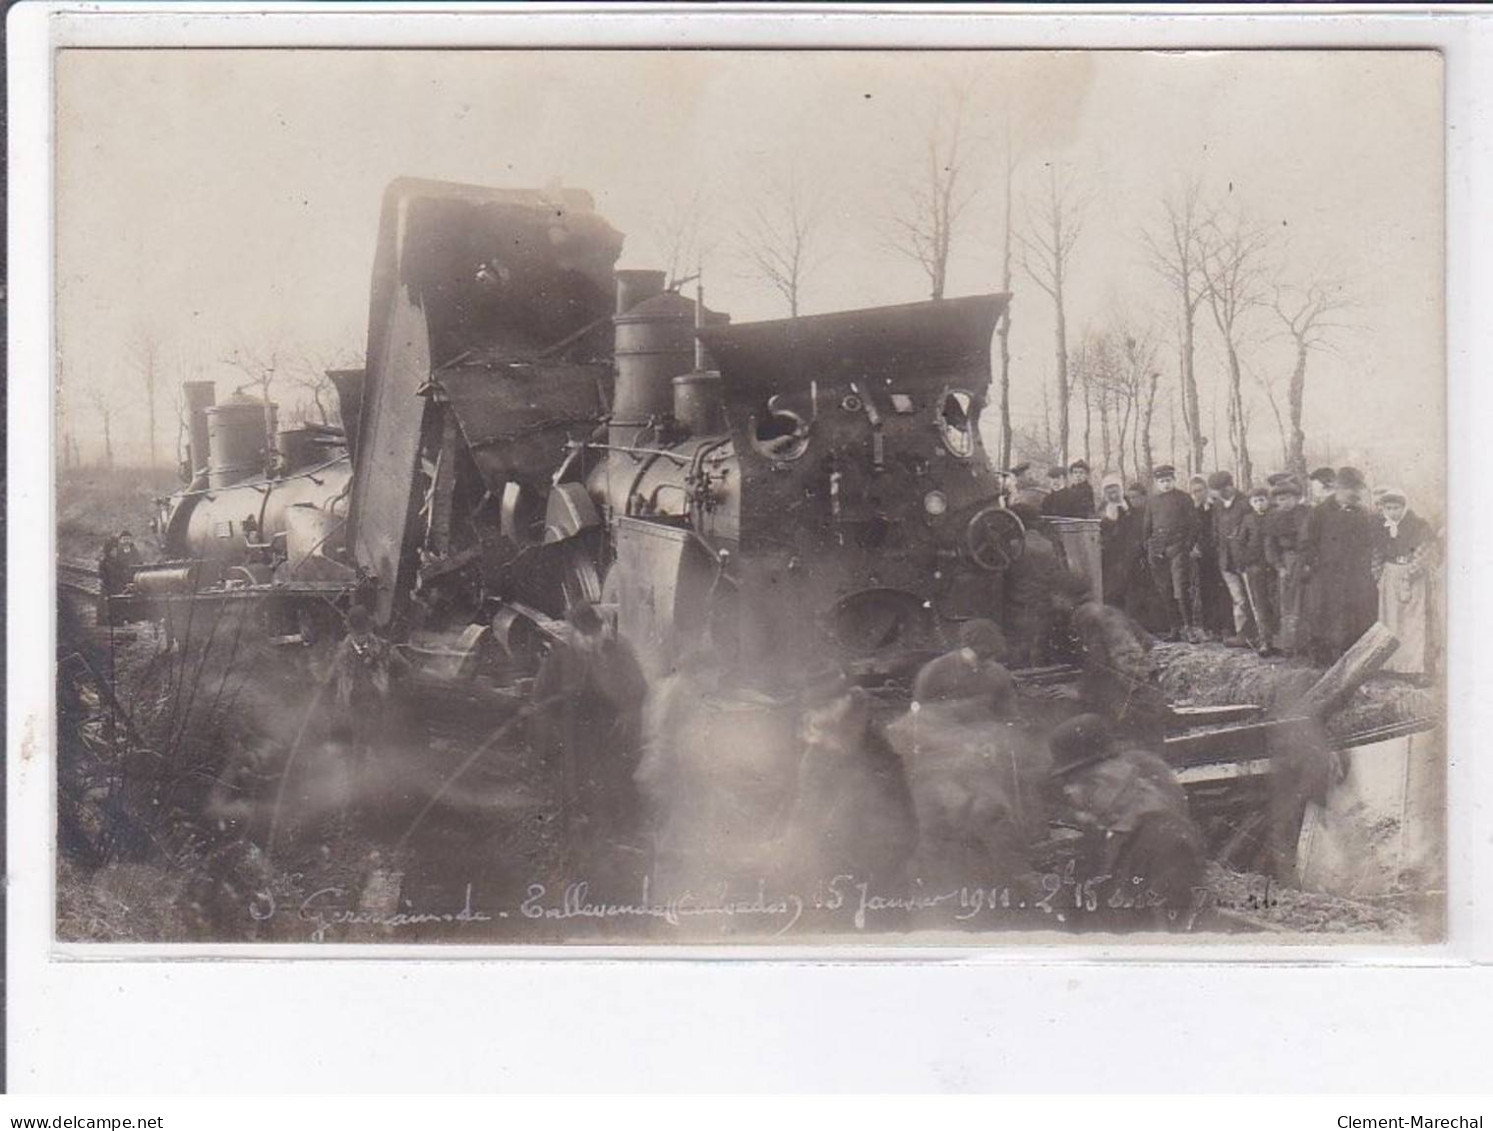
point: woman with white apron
(1404, 554)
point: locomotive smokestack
(199, 396)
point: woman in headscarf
(1404, 554)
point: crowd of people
(1294, 566)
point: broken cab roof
(939, 338)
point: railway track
(79, 576)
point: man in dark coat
(1285, 535)
(1212, 611)
(1132, 812)
(1259, 575)
(1168, 532)
(1321, 483)
(1076, 498)
(1030, 583)
(975, 774)
(1229, 509)
(1338, 562)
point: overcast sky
(229, 199)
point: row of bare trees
(298, 376)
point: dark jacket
(1074, 501)
(1228, 523)
(1285, 535)
(1169, 524)
(1253, 532)
(1342, 597)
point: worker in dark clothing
(975, 773)
(1229, 510)
(1259, 575)
(1132, 812)
(1168, 532)
(1074, 498)
(364, 669)
(1212, 611)
(590, 692)
(1285, 536)
(1120, 677)
(1030, 582)
(1342, 598)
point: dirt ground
(207, 802)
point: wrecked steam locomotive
(535, 429)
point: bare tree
(261, 367)
(1047, 244)
(933, 200)
(1176, 256)
(781, 234)
(307, 372)
(1003, 327)
(678, 229)
(145, 356)
(1307, 317)
(101, 397)
(1234, 272)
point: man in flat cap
(1168, 533)
(1285, 535)
(1074, 498)
(1321, 483)
(1342, 598)
(1228, 525)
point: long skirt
(1405, 609)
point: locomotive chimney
(634, 287)
(655, 342)
(198, 396)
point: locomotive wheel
(994, 538)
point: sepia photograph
(771, 498)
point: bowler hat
(1350, 477)
(1219, 480)
(1078, 742)
(1324, 475)
(1287, 486)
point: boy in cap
(1228, 519)
(1321, 484)
(1259, 575)
(1133, 814)
(1342, 599)
(1285, 534)
(1168, 533)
